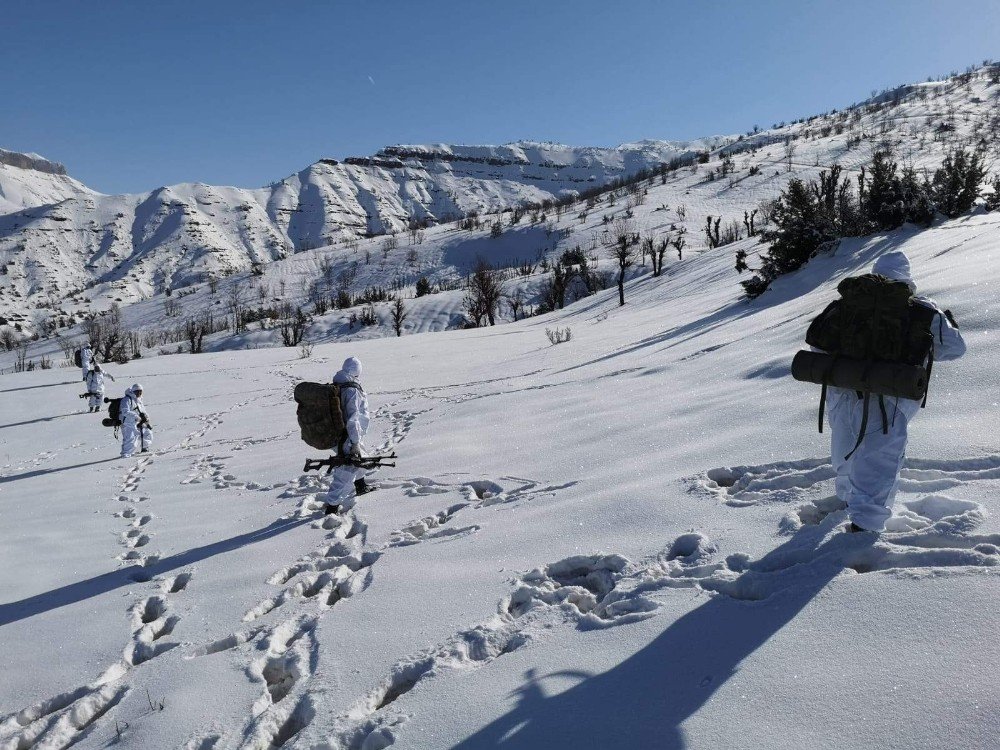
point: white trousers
(341, 490)
(133, 438)
(868, 480)
(96, 400)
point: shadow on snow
(644, 700)
(128, 576)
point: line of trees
(809, 215)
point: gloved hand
(355, 452)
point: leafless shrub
(558, 335)
(293, 328)
(483, 294)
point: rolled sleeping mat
(891, 379)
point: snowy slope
(28, 180)
(86, 253)
(621, 541)
(64, 248)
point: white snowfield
(623, 541)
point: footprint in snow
(789, 481)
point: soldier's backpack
(114, 413)
(321, 415)
(876, 339)
(78, 358)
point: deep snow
(626, 540)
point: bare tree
(293, 329)
(484, 293)
(67, 346)
(656, 253)
(515, 301)
(624, 240)
(236, 303)
(416, 232)
(171, 307)
(399, 316)
(712, 233)
(679, 242)
(554, 288)
(789, 153)
(105, 333)
(22, 363)
(195, 330)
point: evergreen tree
(881, 202)
(957, 183)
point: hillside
(135, 248)
(623, 540)
(68, 244)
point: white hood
(896, 266)
(350, 371)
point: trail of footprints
(785, 481)
(212, 469)
(600, 591)
(595, 591)
(339, 569)
(69, 717)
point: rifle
(363, 462)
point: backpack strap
(930, 366)
(864, 426)
(822, 405)
(885, 416)
(822, 393)
(341, 386)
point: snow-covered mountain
(62, 260)
(30, 180)
(59, 238)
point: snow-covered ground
(626, 540)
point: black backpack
(114, 413)
(320, 414)
(78, 358)
(876, 319)
(877, 339)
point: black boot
(853, 528)
(361, 487)
(330, 510)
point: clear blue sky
(133, 94)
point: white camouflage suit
(95, 387)
(354, 403)
(86, 360)
(867, 481)
(132, 413)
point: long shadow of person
(79, 591)
(643, 701)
